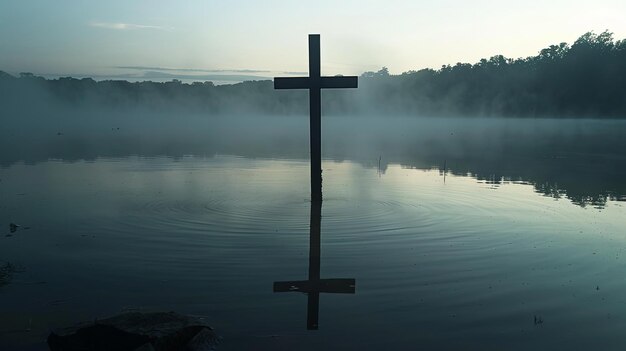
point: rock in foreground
(136, 331)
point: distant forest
(584, 79)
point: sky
(203, 38)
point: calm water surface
(454, 262)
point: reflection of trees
(586, 181)
(577, 196)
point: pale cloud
(125, 26)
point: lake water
(459, 234)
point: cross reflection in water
(315, 285)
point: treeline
(584, 79)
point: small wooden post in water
(315, 82)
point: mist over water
(582, 159)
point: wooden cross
(315, 82)
(314, 285)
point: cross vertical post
(315, 120)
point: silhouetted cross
(315, 285)
(315, 82)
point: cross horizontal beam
(334, 286)
(309, 83)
